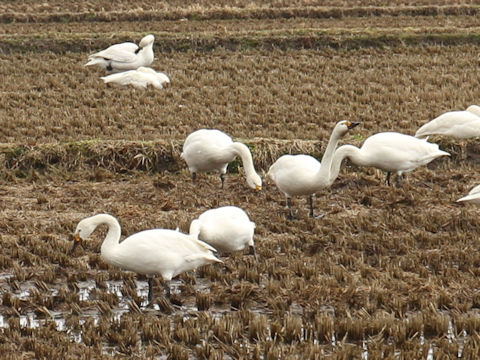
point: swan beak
(258, 187)
(351, 125)
(77, 241)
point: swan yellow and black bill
(351, 124)
(258, 187)
(76, 241)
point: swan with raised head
(459, 124)
(473, 196)
(298, 175)
(140, 78)
(227, 229)
(150, 252)
(212, 150)
(124, 56)
(392, 152)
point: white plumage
(150, 252)
(226, 228)
(124, 56)
(392, 152)
(473, 196)
(139, 78)
(459, 124)
(297, 175)
(212, 150)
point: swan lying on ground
(226, 228)
(297, 175)
(124, 56)
(459, 124)
(392, 152)
(149, 252)
(473, 196)
(140, 78)
(212, 150)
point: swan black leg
(222, 177)
(387, 180)
(311, 202)
(194, 176)
(289, 205)
(253, 252)
(150, 289)
(399, 180)
(166, 286)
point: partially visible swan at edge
(473, 196)
(212, 150)
(459, 124)
(227, 229)
(149, 252)
(297, 175)
(139, 78)
(392, 152)
(124, 56)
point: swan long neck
(243, 151)
(326, 163)
(112, 238)
(344, 151)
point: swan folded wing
(461, 124)
(120, 53)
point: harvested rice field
(388, 272)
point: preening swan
(392, 152)
(460, 124)
(473, 196)
(297, 175)
(211, 150)
(226, 228)
(149, 252)
(124, 56)
(140, 78)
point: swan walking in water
(212, 150)
(473, 196)
(392, 152)
(124, 56)
(298, 175)
(226, 228)
(150, 252)
(140, 78)
(459, 124)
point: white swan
(124, 56)
(297, 175)
(473, 196)
(392, 152)
(150, 252)
(459, 124)
(226, 228)
(139, 78)
(211, 150)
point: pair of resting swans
(124, 56)
(299, 175)
(169, 253)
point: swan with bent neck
(207, 150)
(391, 152)
(299, 175)
(227, 229)
(163, 252)
(124, 56)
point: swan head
(344, 126)
(147, 40)
(83, 231)
(254, 181)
